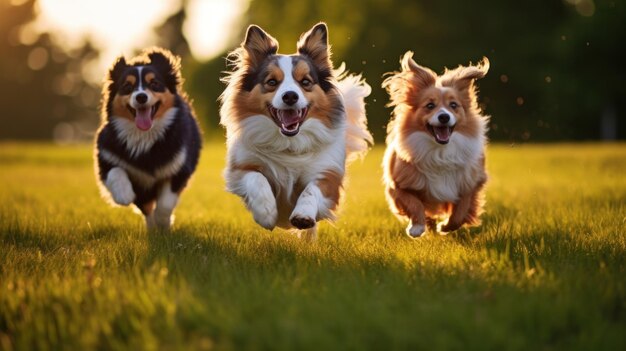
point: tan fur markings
(273, 72)
(167, 100)
(251, 103)
(120, 109)
(330, 185)
(246, 167)
(149, 77)
(302, 71)
(130, 79)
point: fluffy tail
(354, 90)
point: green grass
(546, 270)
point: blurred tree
(589, 91)
(42, 91)
(556, 65)
(170, 33)
(554, 74)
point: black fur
(256, 75)
(182, 132)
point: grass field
(546, 270)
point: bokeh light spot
(37, 58)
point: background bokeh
(556, 65)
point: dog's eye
(430, 105)
(305, 83)
(454, 105)
(272, 82)
(126, 89)
(155, 85)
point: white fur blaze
(354, 90)
(259, 198)
(166, 202)
(120, 187)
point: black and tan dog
(149, 143)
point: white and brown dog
(292, 123)
(434, 165)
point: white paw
(266, 218)
(302, 221)
(120, 187)
(167, 201)
(305, 212)
(260, 200)
(415, 230)
(263, 207)
(305, 215)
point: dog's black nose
(141, 98)
(444, 118)
(290, 97)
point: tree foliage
(556, 65)
(554, 71)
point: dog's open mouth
(441, 133)
(288, 120)
(144, 116)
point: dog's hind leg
(165, 204)
(466, 211)
(405, 203)
(147, 209)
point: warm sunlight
(120, 26)
(208, 23)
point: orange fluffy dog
(434, 165)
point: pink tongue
(143, 120)
(443, 133)
(289, 117)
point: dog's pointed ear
(464, 77)
(314, 44)
(258, 44)
(117, 69)
(424, 76)
(168, 65)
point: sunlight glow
(114, 27)
(118, 25)
(208, 25)
(121, 27)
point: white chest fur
(137, 141)
(142, 177)
(288, 160)
(446, 171)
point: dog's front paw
(120, 187)
(125, 197)
(302, 222)
(415, 230)
(264, 211)
(266, 220)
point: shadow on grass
(273, 285)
